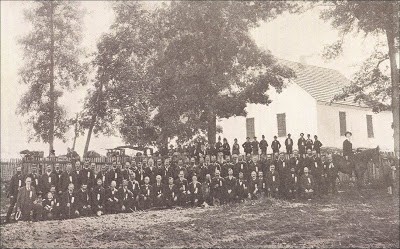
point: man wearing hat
(347, 146)
(309, 142)
(275, 145)
(301, 144)
(247, 146)
(263, 145)
(317, 145)
(254, 146)
(17, 181)
(289, 144)
(235, 147)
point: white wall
(301, 116)
(356, 122)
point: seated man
(98, 197)
(57, 202)
(217, 187)
(242, 191)
(48, 207)
(194, 192)
(182, 185)
(230, 187)
(68, 202)
(206, 189)
(293, 184)
(158, 198)
(254, 192)
(146, 195)
(170, 193)
(126, 197)
(262, 184)
(112, 202)
(307, 185)
(83, 201)
(272, 182)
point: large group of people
(189, 179)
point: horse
(357, 164)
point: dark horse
(357, 164)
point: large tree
(371, 84)
(188, 63)
(52, 65)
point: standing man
(263, 145)
(309, 142)
(48, 179)
(218, 145)
(17, 181)
(226, 148)
(247, 146)
(254, 146)
(26, 201)
(317, 145)
(275, 145)
(301, 144)
(289, 144)
(332, 173)
(235, 147)
(347, 146)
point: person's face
(213, 158)
(86, 165)
(248, 157)
(207, 159)
(104, 167)
(301, 135)
(53, 189)
(240, 158)
(192, 161)
(71, 188)
(119, 166)
(227, 159)
(315, 138)
(281, 156)
(49, 196)
(181, 174)
(34, 170)
(240, 175)
(314, 153)
(180, 163)
(348, 135)
(113, 184)
(57, 166)
(260, 174)
(194, 178)
(158, 163)
(248, 139)
(289, 136)
(306, 171)
(253, 174)
(158, 179)
(150, 163)
(146, 180)
(235, 141)
(309, 152)
(78, 165)
(48, 168)
(274, 138)
(217, 173)
(127, 165)
(139, 164)
(201, 160)
(208, 177)
(272, 168)
(28, 181)
(99, 182)
(84, 187)
(93, 166)
(230, 171)
(171, 180)
(296, 153)
(330, 158)
(276, 155)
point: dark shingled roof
(321, 83)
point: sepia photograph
(199, 124)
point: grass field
(369, 218)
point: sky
(287, 37)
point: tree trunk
(94, 117)
(76, 132)
(212, 127)
(89, 135)
(51, 93)
(390, 34)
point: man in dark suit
(275, 145)
(263, 145)
(301, 144)
(17, 181)
(347, 146)
(254, 146)
(317, 145)
(289, 144)
(48, 179)
(26, 201)
(247, 146)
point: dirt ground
(369, 218)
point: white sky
(287, 37)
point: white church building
(305, 106)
